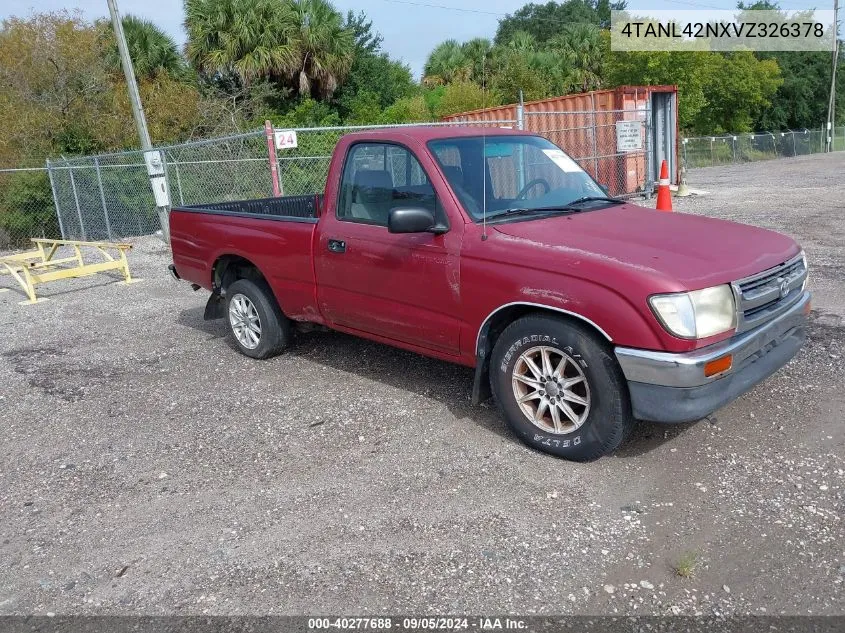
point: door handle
(337, 246)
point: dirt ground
(148, 468)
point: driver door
(404, 287)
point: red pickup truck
(492, 248)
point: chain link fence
(707, 151)
(108, 197)
(27, 208)
(590, 138)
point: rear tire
(560, 389)
(258, 327)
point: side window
(378, 177)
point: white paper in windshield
(562, 160)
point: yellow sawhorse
(41, 265)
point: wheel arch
(227, 269)
(498, 320)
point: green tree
(247, 38)
(801, 101)
(545, 21)
(367, 39)
(519, 67)
(739, 87)
(373, 74)
(447, 63)
(462, 96)
(302, 44)
(408, 110)
(478, 52)
(324, 48)
(580, 48)
(153, 52)
(26, 208)
(686, 69)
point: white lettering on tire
(545, 440)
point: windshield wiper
(592, 199)
(529, 211)
(569, 207)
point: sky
(411, 28)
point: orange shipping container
(586, 126)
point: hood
(691, 250)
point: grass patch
(686, 565)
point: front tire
(258, 327)
(560, 389)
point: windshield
(517, 172)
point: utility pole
(831, 104)
(152, 159)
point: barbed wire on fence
(108, 197)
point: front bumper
(672, 388)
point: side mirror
(604, 188)
(410, 220)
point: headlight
(697, 314)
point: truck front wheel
(258, 326)
(560, 389)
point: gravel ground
(148, 468)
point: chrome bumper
(669, 387)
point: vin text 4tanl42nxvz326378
(493, 249)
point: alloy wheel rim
(551, 390)
(245, 322)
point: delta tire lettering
(538, 338)
(545, 440)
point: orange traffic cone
(664, 198)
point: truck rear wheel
(560, 389)
(259, 328)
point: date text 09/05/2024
(431, 623)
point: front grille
(763, 296)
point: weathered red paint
(432, 293)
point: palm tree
(447, 63)
(246, 37)
(523, 42)
(152, 51)
(477, 53)
(580, 45)
(302, 44)
(324, 48)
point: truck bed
(288, 208)
(274, 234)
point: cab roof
(425, 133)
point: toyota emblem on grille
(784, 288)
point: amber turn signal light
(718, 366)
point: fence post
(520, 114)
(76, 200)
(648, 159)
(103, 197)
(595, 146)
(271, 154)
(55, 198)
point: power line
(831, 106)
(499, 14)
(797, 5)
